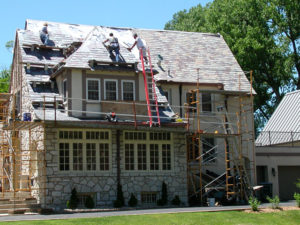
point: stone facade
(104, 184)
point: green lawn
(284, 217)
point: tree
(9, 45)
(4, 80)
(284, 19)
(255, 36)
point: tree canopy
(4, 80)
(264, 37)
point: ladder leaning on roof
(151, 97)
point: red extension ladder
(150, 92)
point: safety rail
(267, 138)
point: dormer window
(111, 90)
(128, 90)
(93, 89)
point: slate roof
(284, 124)
(182, 52)
(93, 49)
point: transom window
(93, 89)
(97, 135)
(147, 151)
(70, 134)
(111, 89)
(135, 135)
(128, 90)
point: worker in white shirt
(141, 45)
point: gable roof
(93, 49)
(285, 119)
(183, 53)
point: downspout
(118, 158)
(180, 99)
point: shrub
(274, 201)
(254, 203)
(119, 202)
(298, 183)
(68, 204)
(73, 203)
(132, 201)
(89, 202)
(164, 195)
(176, 200)
(297, 198)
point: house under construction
(77, 118)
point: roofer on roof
(44, 34)
(113, 46)
(141, 45)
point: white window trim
(212, 103)
(65, 99)
(148, 142)
(84, 141)
(117, 91)
(87, 91)
(128, 81)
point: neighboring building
(69, 90)
(278, 148)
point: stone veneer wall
(59, 184)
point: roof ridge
(86, 38)
(134, 28)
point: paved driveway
(132, 212)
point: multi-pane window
(166, 157)
(70, 134)
(148, 197)
(129, 156)
(64, 156)
(128, 90)
(111, 90)
(147, 151)
(142, 156)
(206, 102)
(81, 150)
(77, 156)
(154, 157)
(97, 135)
(104, 156)
(93, 90)
(91, 156)
(160, 136)
(135, 135)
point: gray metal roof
(284, 124)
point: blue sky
(121, 13)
